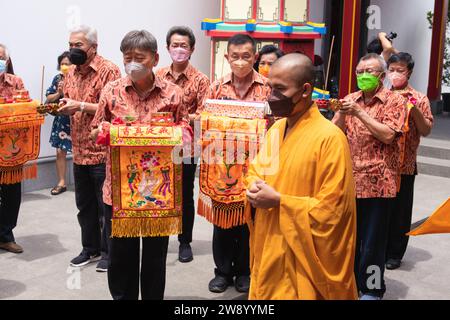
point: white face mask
(2, 66)
(136, 71)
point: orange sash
(20, 129)
(403, 141)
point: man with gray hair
(82, 87)
(373, 119)
(140, 94)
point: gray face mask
(136, 71)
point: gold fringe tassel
(223, 215)
(18, 174)
(22, 124)
(146, 227)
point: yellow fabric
(304, 249)
(439, 222)
(228, 146)
(18, 174)
(146, 182)
(20, 129)
(19, 115)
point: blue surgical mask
(2, 66)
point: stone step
(433, 166)
(434, 148)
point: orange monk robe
(305, 248)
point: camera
(391, 36)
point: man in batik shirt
(373, 120)
(82, 88)
(138, 95)
(194, 85)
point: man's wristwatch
(82, 107)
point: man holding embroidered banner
(142, 188)
(19, 143)
(222, 189)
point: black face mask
(281, 105)
(77, 56)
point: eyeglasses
(370, 70)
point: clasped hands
(350, 108)
(262, 196)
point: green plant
(446, 66)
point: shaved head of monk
(293, 76)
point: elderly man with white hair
(373, 120)
(82, 88)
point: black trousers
(231, 251)
(89, 199)
(400, 222)
(372, 234)
(188, 201)
(10, 198)
(126, 271)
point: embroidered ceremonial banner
(20, 129)
(146, 183)
(236, 109)
(228, 144)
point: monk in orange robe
(303, 232)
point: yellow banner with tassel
(231, 133)
(20, 129)
(146, 181)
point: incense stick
(42, 85)
(329, 63)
